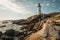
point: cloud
(53, 0)
(3, 8)
(47, 4)
(14, 7)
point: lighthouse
(39, 8)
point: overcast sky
(19, 9)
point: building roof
(39, 5)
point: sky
(22, 9)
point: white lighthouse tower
(39, 8)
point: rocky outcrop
(48, 32)
(37, 27)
